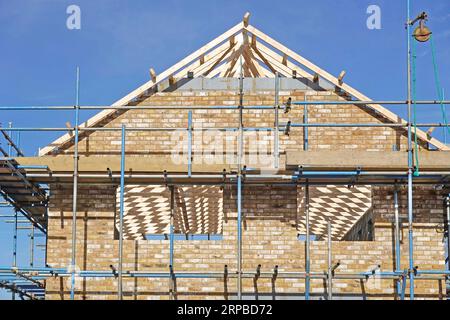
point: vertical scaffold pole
(9, 143)
(448, 230)
(75, 188)
(276, 147)
(445, 112)
(18, 144)
(15, 247)
(171, 240)
(172, 217)
(13, 293)
(308, 244)
(190, 143)
(122, 193)
(397, 239)
(32, 246)
(239, 236)
(241, 121)
(410, 160)
(15, 239)
(305, 129)
(330, 261)
(239, 185)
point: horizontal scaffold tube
(166, 107)
(368, 125)
(357, 102)
(426, 272)
(256, 176)
(33, 167)
(48, 108)
(42, 273)
(281, 127)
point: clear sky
(120, 40)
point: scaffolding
(302, 176)
(28, 281)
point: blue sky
(120, 40)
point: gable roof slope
(219, 58)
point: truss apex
(246, 18)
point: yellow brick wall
(147, 143)
(269, 239)
(269, 236)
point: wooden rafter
(232, 62)
(217, 71)
(249, 63)
(277, 60)
(282, 70)
(198, 66)
(263, 72)
(220, 58)
(201, 69)
(146, 86)
(350, 90)
(236, 70)
(247, 70)
(221, 67)
(264, 60)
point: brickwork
(269, 239)
(272, 215)
(148, 143)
